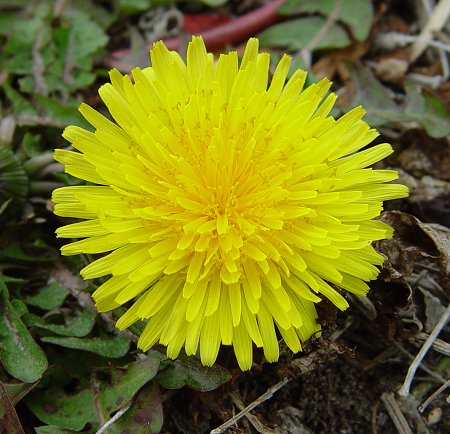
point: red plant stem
(232, 32)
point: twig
(438, 345)
(305, 53)
(404, 390)
(433, 396)
(391, 40)
(58, 8)
(251, 418)
(114, 418)
(395, 413)
(427, 6)
(436, 21)
(98, 404)
(423, 365)
(442, 54)
(433, 81)
(445, 64)
(264, 397)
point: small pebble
(434, 416)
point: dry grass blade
(257, 424)
(264, 397)
(404, 390)
(435, 22)
(306, 53)
(433, 396)
(9, 421)
(395, 413)
(438, 345)
(116, 417)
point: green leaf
(427, 110)
(214, 3)
(20, 356)
(19, 306)
(49, 297)
(420, 106)
(146, 411)
(188, 371)
(13, 181)
(358, 17)
(21, 106)
(14, 251)
(297, 34)
(79, 324)
(373, 96)
(9, 279)
(76, 42)
(129, 7)
(53, 57)
(60, 113)
(16, 56)
(30, 144)
(101, 13)
(88, 36)
(74, 411)
(106, 346)
(53, 429)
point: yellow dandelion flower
(229, 204)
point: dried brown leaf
(9, 422)
(414, 239)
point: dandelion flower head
(227, 204)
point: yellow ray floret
(227, 204)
